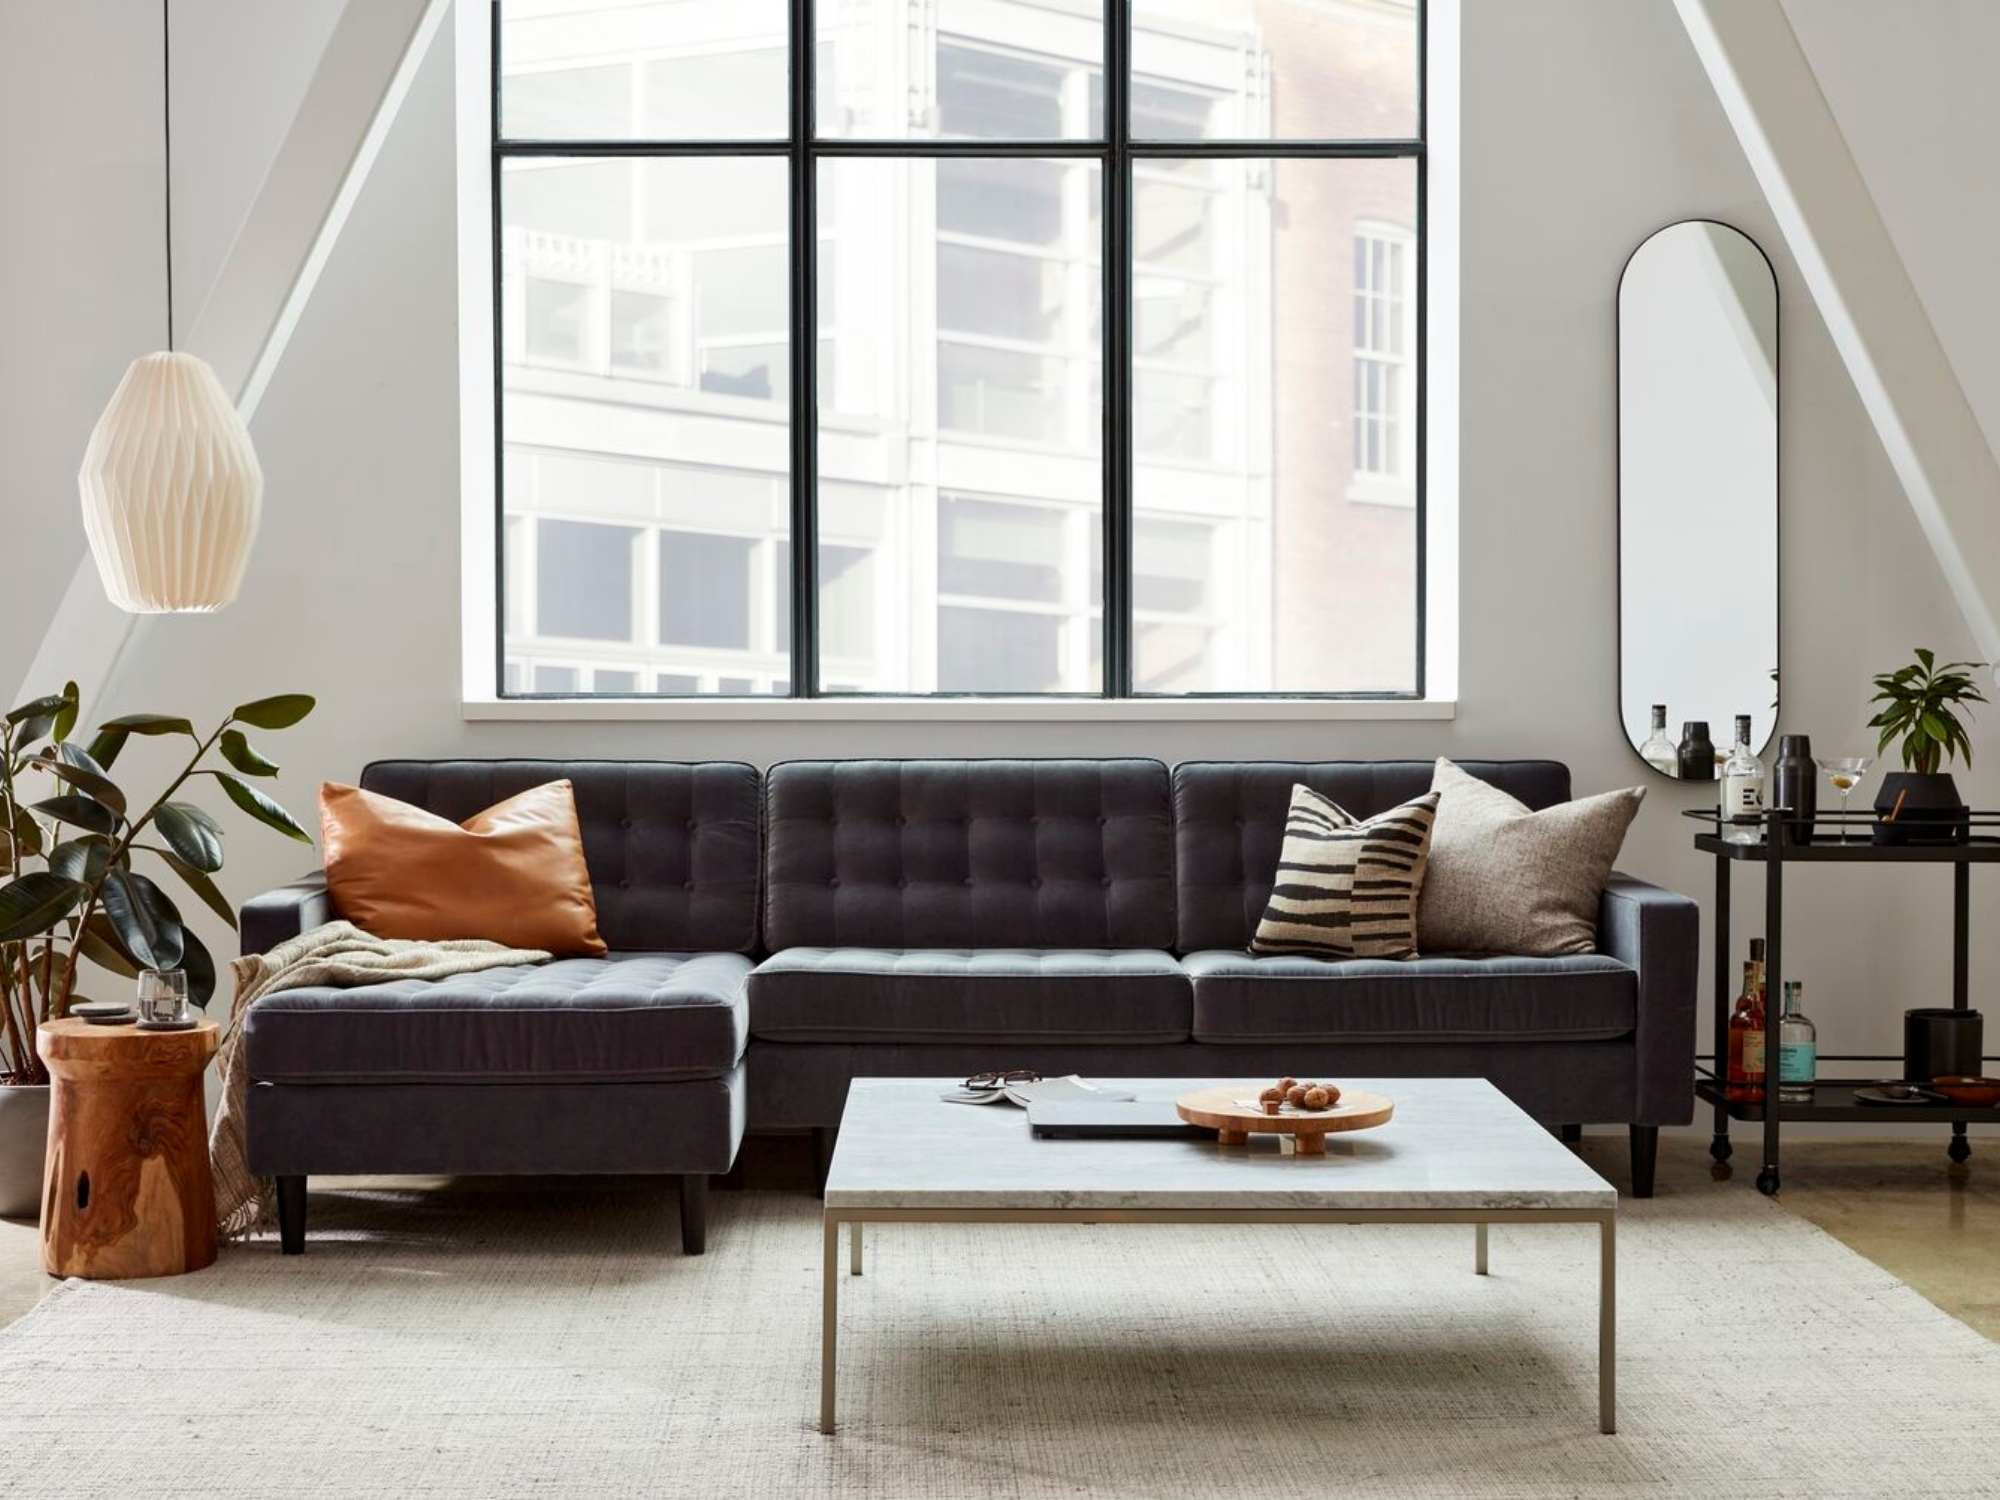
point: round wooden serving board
(1217, 1110)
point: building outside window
(1269, 503)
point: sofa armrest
(1657, 932)
(271, 918)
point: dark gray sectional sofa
(926, 918)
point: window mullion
(1116, 351)
(804, 581)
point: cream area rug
(490, 1340)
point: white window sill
(949, 710)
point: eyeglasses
(1000, 1078)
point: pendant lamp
(172, 491)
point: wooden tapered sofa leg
(694, 1212)
(1645, 1154)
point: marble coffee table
(1457, 1152)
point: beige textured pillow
(1345, 889)
(1503, 879)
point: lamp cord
(167, 142)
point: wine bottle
(1744, 1079)
(1798, 1048)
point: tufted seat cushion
(969, 854)
(629, 1018)
(992, 995)
(1241, 999)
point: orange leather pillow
(513, 874)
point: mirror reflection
(1697, 497)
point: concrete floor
(1897, 1202)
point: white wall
(82, 273)
(1587, 126)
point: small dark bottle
(1697, 751)
(1795, 786)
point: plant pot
(24, 1144)
(1932, 811)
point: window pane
(556, 679)
(999, 651)
(1275, 545)
(964, 329)
(705, 590)
(647, 69)
(1276, 70)
(998, 550)
(645, 383)
(583, 581)
(1008, 70)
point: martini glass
(1846, 773)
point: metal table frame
(1605, 1218)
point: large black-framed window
(1038, 348)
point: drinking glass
(163, 995)
(1846, 773)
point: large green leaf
(151, 724)
(144, 918)
(34, 903)
(198, 815)
(105, 745)
(200, 884)
(36, 708)
(281, 712)
(98, 943)
(262, 808)
(66, 715)
(200, 969)
(91, 782)
(84, 812)
(243, 755)
(83, 860)
(199, 846)
(27, 834)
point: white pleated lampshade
(172, 491)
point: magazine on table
(1021, 1090)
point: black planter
(1932, 811)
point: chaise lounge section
(631, 1063)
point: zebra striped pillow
(1346, 889)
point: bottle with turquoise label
(1798, 1048)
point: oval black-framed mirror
(1697, 496)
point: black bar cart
(1843, 838)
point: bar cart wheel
(1767, 1182)
(1719, 1148)
(1960, 1148)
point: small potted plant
(1921, 706)
(78, 861)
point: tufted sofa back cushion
(969, 854)
(673, 849)
(1229, 822)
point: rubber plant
(1921, 704)
(79, 857)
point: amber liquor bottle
(1745, 1080)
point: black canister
(1939, 1042)
(1697, 752)
(1795, 785)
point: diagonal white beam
(266, 280)
(1863, 290)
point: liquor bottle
(1798, 1048)
(1742, 789)
(1696, 754)
(1744, 1081)
(1658, 751)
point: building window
(1384, 361)
(999, 375)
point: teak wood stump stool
(128, 1192)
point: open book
(1069, 1090)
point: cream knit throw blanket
(340, 955)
